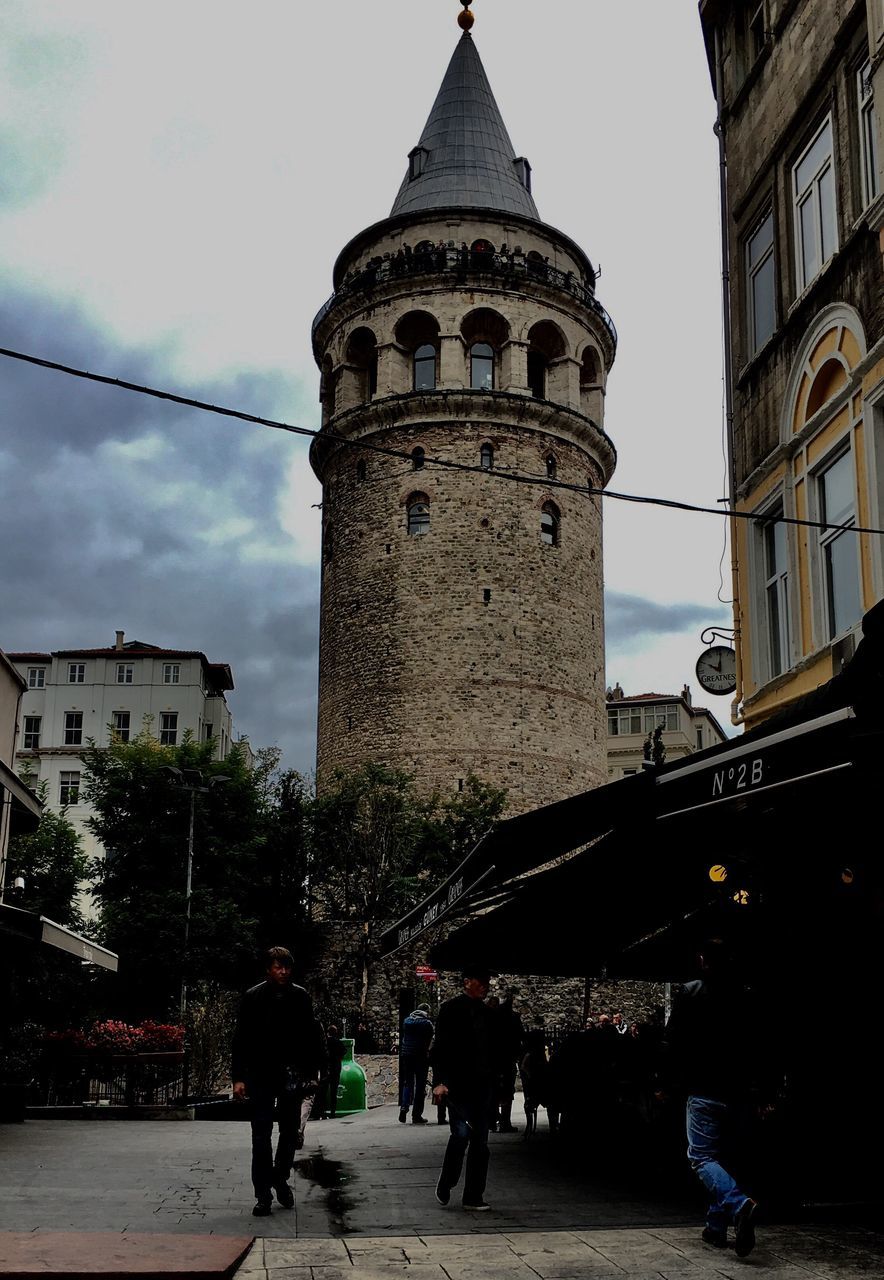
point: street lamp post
(190, 780)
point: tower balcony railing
(510, 269)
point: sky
(176, 181)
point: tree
(141, 817)
(53, 865)
(41, 986)
(379, 845)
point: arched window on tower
(417, 458)
(362, 366)
(482, 366)
(551, 467)
(425, 368)
(550, 521)
(537, 374)
(486, 456)
(546, 347)
(418, 511)
(360, 469)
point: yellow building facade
(798, 89)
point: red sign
(426, 972)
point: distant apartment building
(74, 696)
(686, 728)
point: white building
(77, 695)
(686, 728)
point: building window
(68, 787)
(417, 459)
(168, 728)
(76, 672)
(32, 733)
(418, 514)
(551, 467)
(171, 673)
(360, 469)
(816, 228)
(486, 457)
(36, 677)
(760, 284)
(666, 715)
(125, 672)
(550, 520)
(868, 145)
(73, 728)
(425, 368)
(482, 366)
(776, 596)
(417, 159)
(207, 731)
(623, 720)
(699, 738)
(120, 724)
(838, 549)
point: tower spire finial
(466, 19)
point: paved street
(365, 1207)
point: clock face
(717, 669)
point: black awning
(26, 808)
(522, 844)
(637, 901)
(28, 928)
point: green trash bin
(351, 1088)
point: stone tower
(463, 361)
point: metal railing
(511, 269)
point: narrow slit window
(550, 521)
(486, 456)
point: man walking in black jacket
(713, 1053)
(464, 1058)
(278, 1057)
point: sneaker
(418, 1120)
(479, 1207)
(744, 1229)
(262, 1208)
(718, 1239)
(285, 1195)
(443, 1194)
(403, 1114)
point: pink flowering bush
(112, 1036)
(115, 1037)
(161, 1037)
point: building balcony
(506, 270)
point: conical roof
(468, 159)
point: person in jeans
(278, 1057)
(414, 1064)
(464, 1058)
(714, 1053)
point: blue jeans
(707, 1120)
(468, 1116)
(413, 1083)
(291, 1110)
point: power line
(497, 472)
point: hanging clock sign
(717, 669)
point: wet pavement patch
(334, 1177)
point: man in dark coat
(278, 1057)
(714, 1053)
(464, 1058)
(414, 1064)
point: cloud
(631, 621)
(117, 511)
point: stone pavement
(365, 1208)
